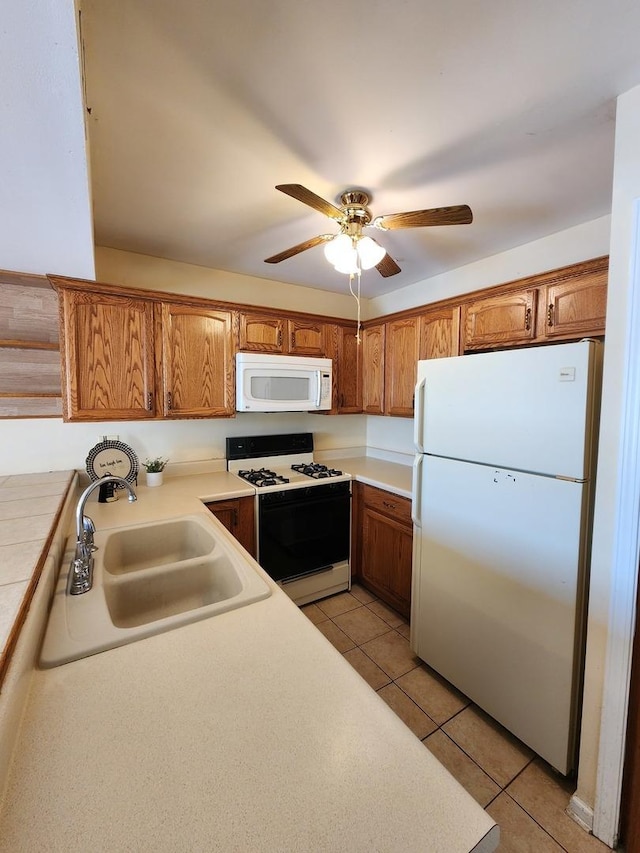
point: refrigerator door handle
(418, 418)
(416, 490)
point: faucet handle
(88, 529)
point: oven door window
(302, 531)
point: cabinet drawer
(387, 503)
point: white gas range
(303, 513)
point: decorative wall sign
(112, 457)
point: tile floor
(518, 789)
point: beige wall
(133, 270)
(45, 205)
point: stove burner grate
(316, 470)
(262, 477)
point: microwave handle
(319, 395)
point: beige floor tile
(363, 595)
(370, 671)
(390, 616)
(437, 698)
(403, 630)
(361, 625)
(392, 654)
(498, 752)
(518, 832)
(335, 636)
(419, 723)
(336, 604)
(544, 795)
(313, 613)
(482, 788)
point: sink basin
(153, 595)
(136, 548)
(148, 579)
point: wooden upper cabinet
(440, 333)
(261, 333)
(500, 320)
(198, 371)
(306, 337)
(373, 353)
(107, 352)
(574, 307)
(400, 365)
(348, 371)
(293, 336)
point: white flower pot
(154, 478)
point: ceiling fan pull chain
(356, 296)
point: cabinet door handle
(550, 315)
(235, 517)
(389, 505)
(279, 337)
(169, 401)
(527, 320)
(150, 401)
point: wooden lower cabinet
(238, 516)
(383, 545)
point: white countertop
(247, 731)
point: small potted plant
(154, 469)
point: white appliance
(502, 513)
(303, 513)
(282, 383)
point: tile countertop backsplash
(29, 505)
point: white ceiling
(198, 109)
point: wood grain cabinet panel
(238, 516)
(197, 362)
(500, 320)
(348, 371)
(261, 333)
(384, 547)
(108, 357)
(401, 352)
(306, 337)
(576, 307)
(373, 374)
(440, 333)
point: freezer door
(497, 593)
(530, 409)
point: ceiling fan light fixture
(348, 263)
(370, 252)
(337, 249)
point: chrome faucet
(81, 569)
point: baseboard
(581, 813)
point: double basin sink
(149, 578)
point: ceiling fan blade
(459, 214)
(300, 247)
(304, 195)
(388, 266)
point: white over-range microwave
(282, 383)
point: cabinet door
(386, 546)
(440, 333)
(373, 369)
(306, 337)
(348, 371)
(261, 333)
(577, 307)
(500, 320)
(108, 357)
(401, 360)
(238, 516)
(197, 362)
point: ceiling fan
(352, 216)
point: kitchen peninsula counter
(246, 731)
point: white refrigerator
(503, 479)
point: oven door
(305, 530)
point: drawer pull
(389, 505)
